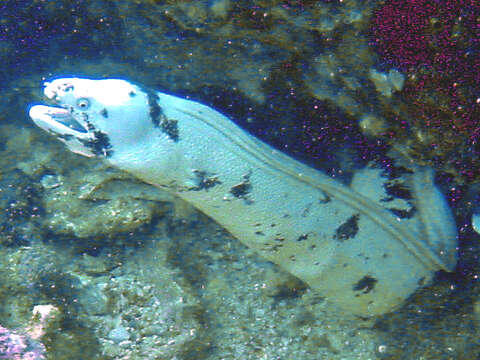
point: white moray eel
(359, 246)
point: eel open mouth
(56, 119)
(59, 121)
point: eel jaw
(59, 121)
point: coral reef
(14, 346)
(149, 313)
(436, 45)
(73, 208)
(25, 344)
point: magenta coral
(412, 33)
(436, 43)
(15, 346)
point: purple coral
(436, 43)
(15, 346)
(431, 33)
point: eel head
(93, 117)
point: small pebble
(119, 334)
(50, 181)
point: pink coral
(25, 345)
(436, 43)
(16, 346)
(413, 33)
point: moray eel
(362, 246)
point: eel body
(359, 246)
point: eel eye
(83, 104)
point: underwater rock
(20, 199)
(92, 206)
(387, 83)
(151, 312)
